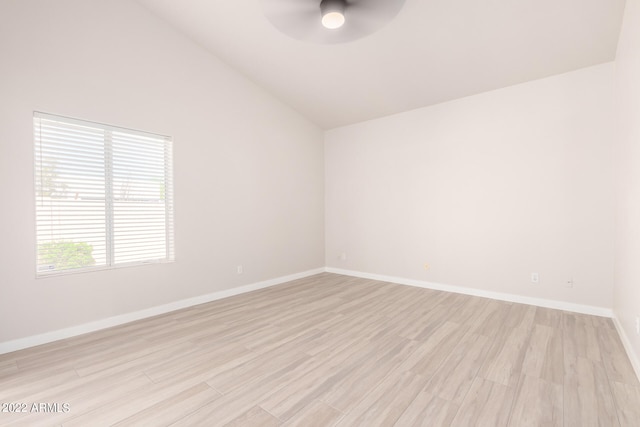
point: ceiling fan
(330, 21)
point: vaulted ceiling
(433, 51)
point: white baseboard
(32, 341)
(540, 302)
(635, 361)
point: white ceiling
(433, 51)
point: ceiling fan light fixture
(330, 21)
(333, 20)
(332, 13)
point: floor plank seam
(280, 420)
(331, 406)
(615, 402)
(513, 401)
(148, 377)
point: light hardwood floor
(332, 350)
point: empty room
(320, 213)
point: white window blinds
(104, 196)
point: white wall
(248, 169)
(627, 270)
(485, 189)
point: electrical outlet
(343, 256)
(638, 325)
(535, 278)
(239, 269)
(569, 283)
(426, 266)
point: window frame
(109, 199)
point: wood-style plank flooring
(332, 350)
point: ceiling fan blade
(301, 19)
(291, 6)
(374, 12)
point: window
(104, 196)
